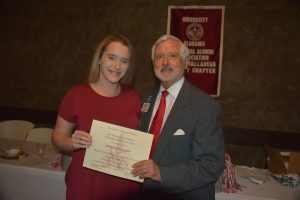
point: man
(188, 156)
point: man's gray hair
(184, 51)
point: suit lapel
(171, 124)
(146, 116)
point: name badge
(145, 107)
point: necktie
(158, 120)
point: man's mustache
(166, 68)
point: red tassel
(229, 182)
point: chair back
(42, 135)
(275, 161)
(294, 162)
(15, 129)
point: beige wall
(46, 47)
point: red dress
(81, 105)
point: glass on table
(41, 149)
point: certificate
(115, 149)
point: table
(269, 190)
(30, 177)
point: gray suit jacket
(190, 163)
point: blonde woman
(104, 97)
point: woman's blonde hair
(95, 68)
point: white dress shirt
(170, 99)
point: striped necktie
(158, 120)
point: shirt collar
(174, 89)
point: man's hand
(146, 169)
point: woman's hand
(81, 139)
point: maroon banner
(201, 29)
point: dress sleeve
(67, 107)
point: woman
(105, 98)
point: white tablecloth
(265, 191)
(30, 178)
